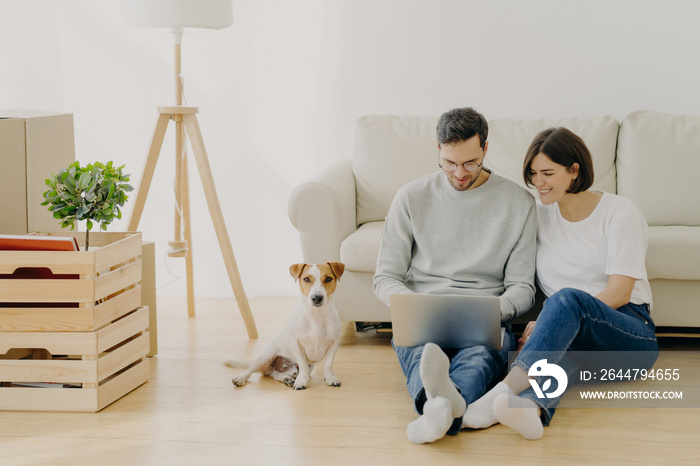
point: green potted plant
(94, 193)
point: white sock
(435, 375)
(433, 424)
(520, 414)
(479, 414)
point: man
(462, 230)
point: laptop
(449, 321)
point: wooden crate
(74, 371)
(66, 291)
(73, 334)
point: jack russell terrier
(311, 334)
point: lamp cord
(167, 267)
(178, 207)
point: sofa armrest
(323, 210)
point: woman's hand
(526, 334)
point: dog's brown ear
(296, 270)
(338, 268)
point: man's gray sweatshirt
(476, 242)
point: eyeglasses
(451, 166)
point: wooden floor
(190, 413)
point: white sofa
(652, 158)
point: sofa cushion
(509, 139)
(389, 151)
(359, 251)
(673, 253)
(658, 161)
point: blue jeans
(473, 370)
(573, 320)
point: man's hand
(526, 334)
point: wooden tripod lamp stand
(178, 16)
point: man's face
(461, 155)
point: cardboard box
(148, 290)
(33, 145)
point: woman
(590, 263)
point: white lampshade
(178, 15)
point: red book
(38, 243)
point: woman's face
(551, 179)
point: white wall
(279, 91)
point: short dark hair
(460, 124)
(564, 147)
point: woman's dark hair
(460, 124)
(564, 147)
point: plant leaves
(92, 193)
(84, 181)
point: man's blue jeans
(574, 320)
(473, 370)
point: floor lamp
(177, 17)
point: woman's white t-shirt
(611, 241)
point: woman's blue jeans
(574, 320)
(473, 370)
